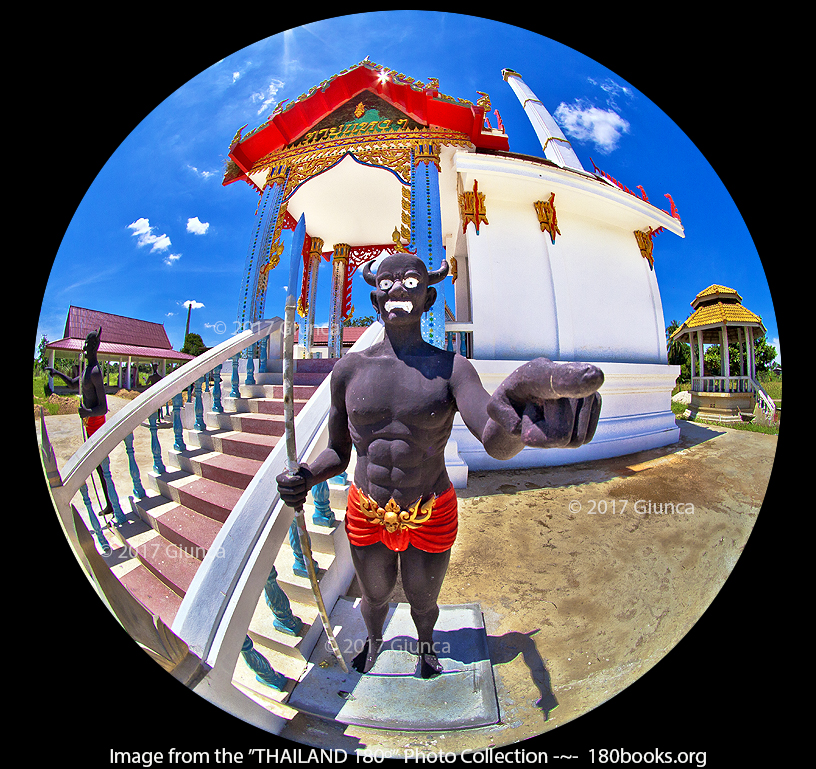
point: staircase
(171, 531)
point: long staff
(298, 240)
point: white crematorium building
(549, 259)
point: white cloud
(192, 303)
(145, 237)
(202, 174)
(196, 226)
(267, 96)
(612, 89)
(172, 258)
(586, 122)
(235, 76)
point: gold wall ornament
(454, 271)
(269, 264)
(545, 209)
(359, 110)
(388, 150)
(277, 175)
(484, 101)
(646, 245)
(427, 153)
(472, 208)
(395, 236)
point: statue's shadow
(505, 648)
(464, 647)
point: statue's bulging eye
(410, 283)
(385, 284)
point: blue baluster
(216, 404)
(323, 514)
(118, 516)
(199, 406)
(138, 489)
(278, 602)
(97, 529)
(235, 392)
(299, 566)
(155, 446)
(259, 665)
(250, 372)
(262, 355)
(178, 430)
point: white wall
(589, 296)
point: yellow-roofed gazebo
(719, 317)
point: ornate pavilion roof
(710, 310)
(715, 292)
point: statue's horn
(369, 276)
(434, 276)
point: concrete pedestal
(393, 695)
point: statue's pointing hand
(549, 405)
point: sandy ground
(587, 575)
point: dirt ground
(588, 575)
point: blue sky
(156, 228)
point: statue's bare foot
(365, 660)
(430, 667)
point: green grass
(39, 394)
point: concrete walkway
(587, 574)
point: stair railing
(217, 608)
(126, 420)
(765, 402)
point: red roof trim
(424, 106)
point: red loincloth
(435, 535)
(92, 424)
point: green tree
(193, 344)
(41, 361)
(764, 354)
(678, 353)
(363, 320)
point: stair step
(322, 537)
(168, 562)
(299, 589)
(299, 392)
(273, 406)
(226, 469)
(210, 498)
(259, 424)
(252, 405)
(263, 630)
(151, 592)
(184, 527)
(237, 444)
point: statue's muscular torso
(400, 414)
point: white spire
(553, 142)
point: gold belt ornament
(392, 516)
